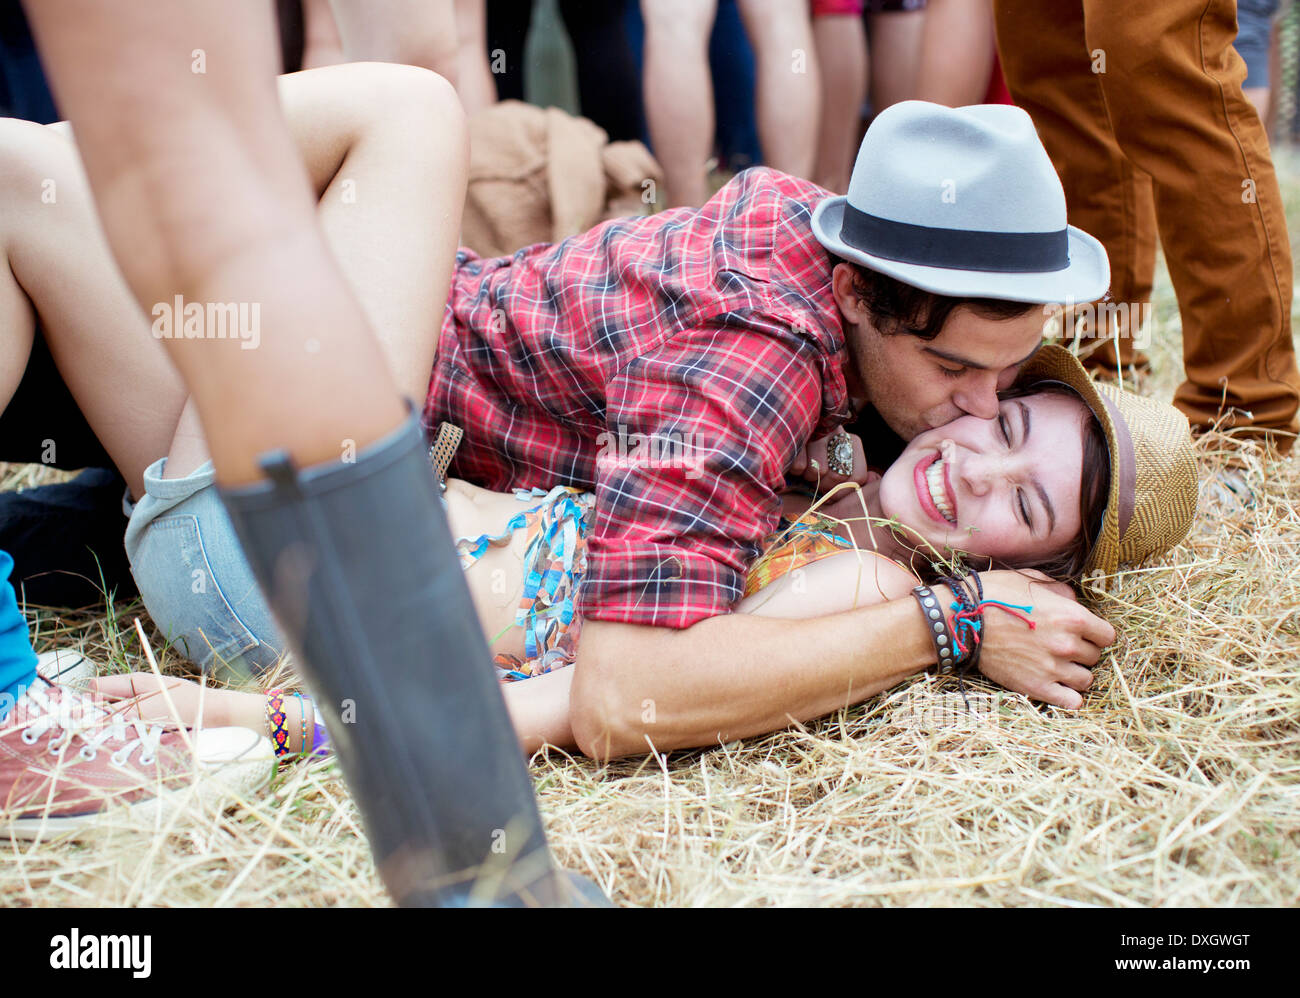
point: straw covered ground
(1177, 784)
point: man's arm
(734, 675)
(668, 552)
(738, 675)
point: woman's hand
(140, 695)
(812, 464)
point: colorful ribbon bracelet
(276, 721)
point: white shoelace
(79, 716)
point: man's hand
(812, 464)
(1052, 662)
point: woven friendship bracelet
(968, 619)
(938, 626)
(275, 720)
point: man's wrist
(934, 603)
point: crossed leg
(58, 267)
(387, 163)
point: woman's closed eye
(1023, 507)
(1019, 503)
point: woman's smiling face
(1006, 488)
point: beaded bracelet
(302, 724)
(938, 625)
(320, 736)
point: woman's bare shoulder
(841, 582)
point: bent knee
(415, 108)
(390, 89)
(30, 151)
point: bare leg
(322, 45)
(842, 52)
(1259, 96)
(679, 93)
(203, 195)
(895, 56)
(788, 82)
(391, 227)
(59, 266)
(474, 82)
(956, 52)
(409, 32)
(390, 179)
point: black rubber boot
(358, 564)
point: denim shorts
(193, 577)
(1254, 30)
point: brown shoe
(65, 761)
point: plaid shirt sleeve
(700, 432)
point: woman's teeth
(934, 479)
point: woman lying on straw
(380, 145)
(1066, 469)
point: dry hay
(1178, 783)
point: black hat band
(956, 249)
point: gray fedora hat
(963, 202)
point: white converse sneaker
(64, 667)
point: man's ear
(846, 297)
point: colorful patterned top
(555, 563)
(793, 545)
(713, 329)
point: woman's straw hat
(1153, 488)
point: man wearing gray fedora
(757, 326)
(746, 334)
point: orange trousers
(1140, 106)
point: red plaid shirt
(675, 364)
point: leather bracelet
(937, 625)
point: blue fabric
(731, 64)
(17, 660)
(24, 92)
(1254, 30)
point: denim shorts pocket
(186, 600)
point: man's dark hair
(897, 307)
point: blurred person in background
(446, 36)
(1254, 37)
(841, 39)
(1112, 107)
(894, 30)
(957, 52)
(608, 78)
(679, 93)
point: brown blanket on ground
(539, 175)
